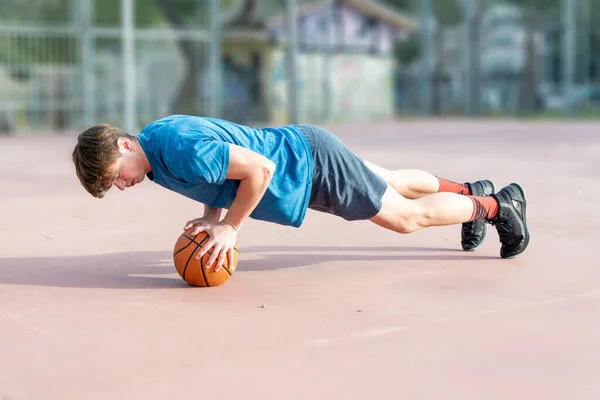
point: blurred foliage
(406, 52)
(539, 16)
(34, 10)
(108, 12)
(445, 12)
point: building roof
(271, 13)
(384, 12)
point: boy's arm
(254, 172)
(212, 214)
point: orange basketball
(193, 271)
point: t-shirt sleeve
(199, 161)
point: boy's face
(130, 168)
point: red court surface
(91, 306)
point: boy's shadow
(133, 270)
(155, 269)
(277, 257)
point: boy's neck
(140, 150)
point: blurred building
(356, 60)
(64, 73)
(502, 61)
(503, 56)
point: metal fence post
(215, 59)
(425, 82)
(129, 75)
(468, 10)
(84, 17)
(292, 49)
(568, 53)
(329, 51)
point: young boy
(276, 174)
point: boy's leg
(414, 184)
(506, 210)
(405, 215)
(410, 183)
(345, 186)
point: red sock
(453, 187)
(484, 207)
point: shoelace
(503, 231)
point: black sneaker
(511, 221)
(473, 233)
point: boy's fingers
(198, 229)
(189, 224)
(211, 260)
(230, 256)
(221, 259)
(204, 249)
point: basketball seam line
(199, 244)
(191, 240)
(184, 247)
(203, 269)
(191, 255)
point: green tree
(34, 10)
(178, 14)
(407, 51)
(474, 41)
(446, 13)
(533, 13)
(184, 13)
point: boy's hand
(200, 224)
(223, 237)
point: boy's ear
(124, 143)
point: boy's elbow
(261, 172)
(269, 168)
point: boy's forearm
(212, 213)
(249, 194)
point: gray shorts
(342, 184)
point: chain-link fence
(65, 64)
(63, 73)
(503, 58)
(40, 76)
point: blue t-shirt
(190, 155)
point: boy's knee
(402, 215)
(414, 220)
(404, 227)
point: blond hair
(94, 156)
